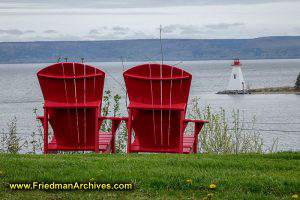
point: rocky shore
(272, 90)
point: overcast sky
(44, 20)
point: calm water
(277, 115)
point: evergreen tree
(297, 84)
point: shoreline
(271, 90)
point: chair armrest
(41, 118)
(112, 118)
(196, 120)
(198, 125)
(115, 121)
(115, 125)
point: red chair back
(158, 95)
(73, 94)
(68, 83)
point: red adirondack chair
(73, 96)
(158, 96)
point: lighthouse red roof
(236, 62)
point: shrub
(297, 83)
(10, 141)
(219, 136)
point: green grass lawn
(156, 176)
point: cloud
(120, 28)
(11, 31)
(223, 25)
(138, 35)
(42, 37)
(170, 28)
(15, 32)
(29, 31)
(190, 29)
(54, 4)
(50, 31)
(94, 31)
(120, 33)
(116, 33)
(98, 31)
(77, 11)
(56, 37)
(181, 29)
(109, 31)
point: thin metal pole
(161, 86)
(161, 46)
(67, 99)
(95, 86)
(84, 99)
(169, 128)
(125, 90)
(152, 100)
(77, 123)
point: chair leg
(97, 133)
(129, 131)
(45, 131)
(197, 129)
(108, 149)
(115, 125)
(181, 132)
(195, 146)
(52, 152)
(113, 131)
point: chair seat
(188, 141)
(179, 106)
(105, 139)
(51, 104)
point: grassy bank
(243, 176)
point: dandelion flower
(212, 186)
(189, 181)
(295, 196)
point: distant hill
(149, 49)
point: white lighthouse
(236, 81)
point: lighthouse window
(234, 76)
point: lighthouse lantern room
(236, 81)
